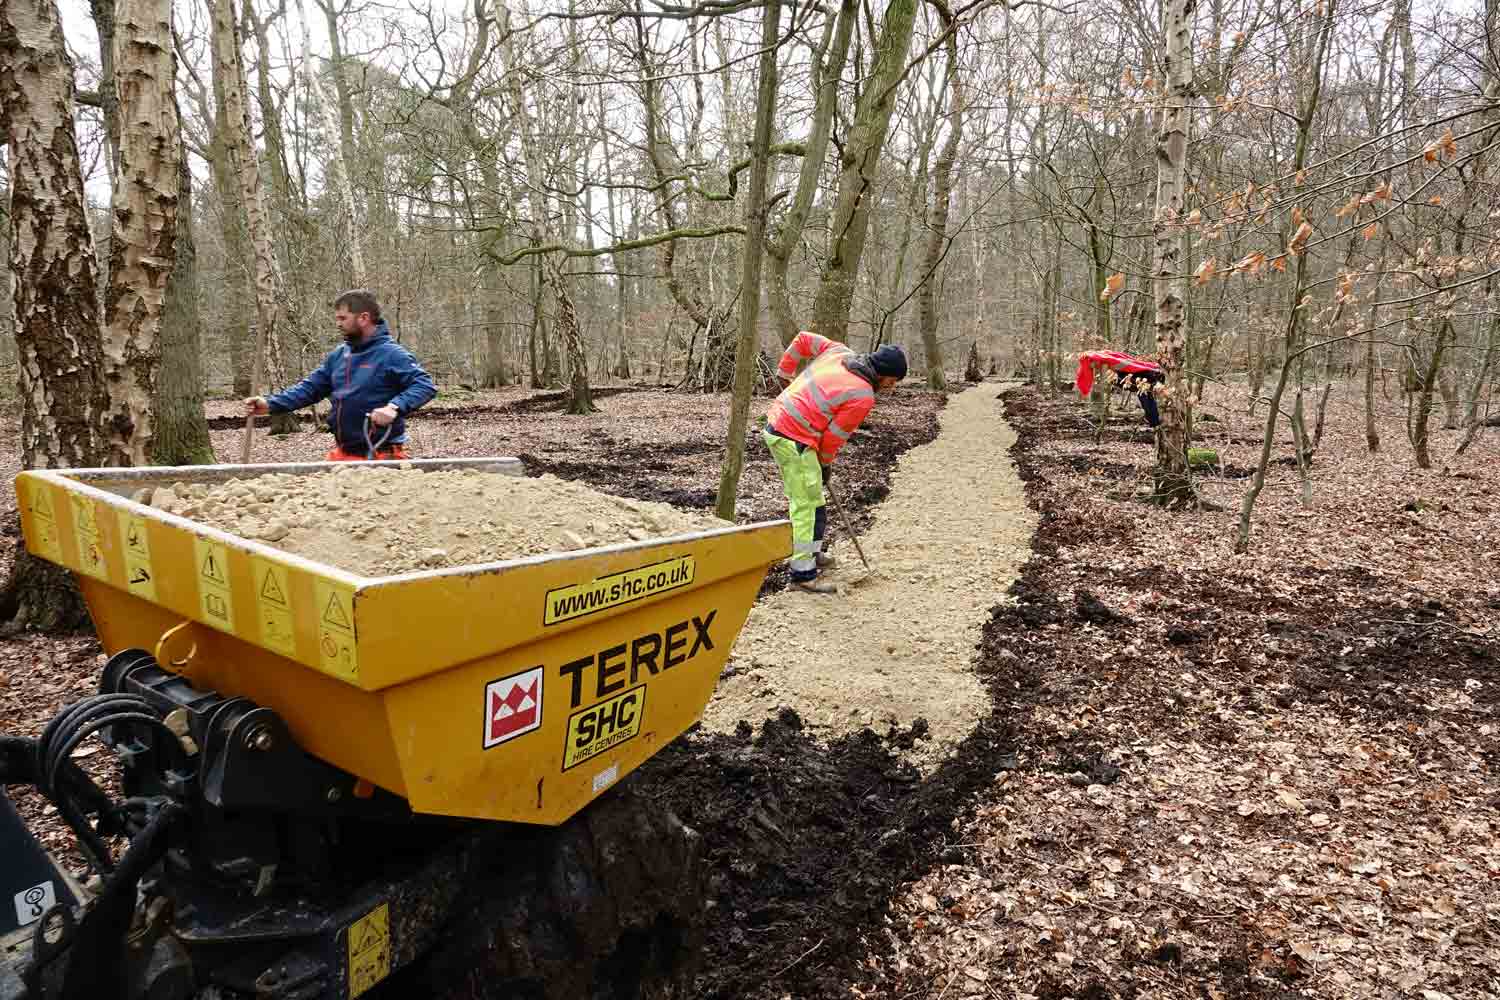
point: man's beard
(352, 338)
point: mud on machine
(323, 777)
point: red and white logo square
(512, 706)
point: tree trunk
(942, 192)
(238, 282)
(1448, 386)
(230, 68)
(850, 219)
(1372, 433)
(53, 285)
(181, 436)
(580, 398)
(622, 367)
(1169, 284)
(536, 373)
(1419, 435)
(53, 269)
(340, 84)
(826, 77)
(750, 261)
(104, 15)
(1472, 422)
(338, 162)
(688, 297)
(144, 223)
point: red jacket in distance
(1122, 364)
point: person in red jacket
(808, 424)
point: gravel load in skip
(382, 521)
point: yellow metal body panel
(510, 691)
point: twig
(1393, 621)
(798, 959)
(968, 963)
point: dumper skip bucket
(513, 690)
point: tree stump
(973, 372)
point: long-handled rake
(849, 530)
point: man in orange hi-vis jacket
(808, 424)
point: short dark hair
(359, 300)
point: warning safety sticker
(214, 597)
(337, 654)
(274, 605)
(369, 949)
(140, 576)
(44, 522)
(86, 531)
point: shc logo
(513, 706)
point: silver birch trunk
(143, 230)
(1169, 281)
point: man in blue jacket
(370, 378)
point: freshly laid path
(898, 645)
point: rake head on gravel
(869, 573)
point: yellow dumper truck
(317, 771)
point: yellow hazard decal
(600, 727)
(369, 949)
(44, 522)
(214, 597)
(140, 575)
(86, 531)
(273, 600)
(337, 654)
(580, 599)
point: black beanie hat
(889, 360)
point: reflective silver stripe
(804, 546)
(838, 432)
(791, 411)
(802, 563)
(863, 392)
(821, 401)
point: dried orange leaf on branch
(1372, 230)
(1112, 284)
(1251, 262)
(1448, 144)
(1205, 271)
(1299, 240)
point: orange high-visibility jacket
(824, 404)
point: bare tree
(942, 196)
(1169, 282)
(229, 67)
(144, 222)
(751, 257)
(850, 219)
(53, 276)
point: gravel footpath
(897, 645)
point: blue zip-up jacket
(362, 378)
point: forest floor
(1197, 775)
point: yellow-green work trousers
(802, 478)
